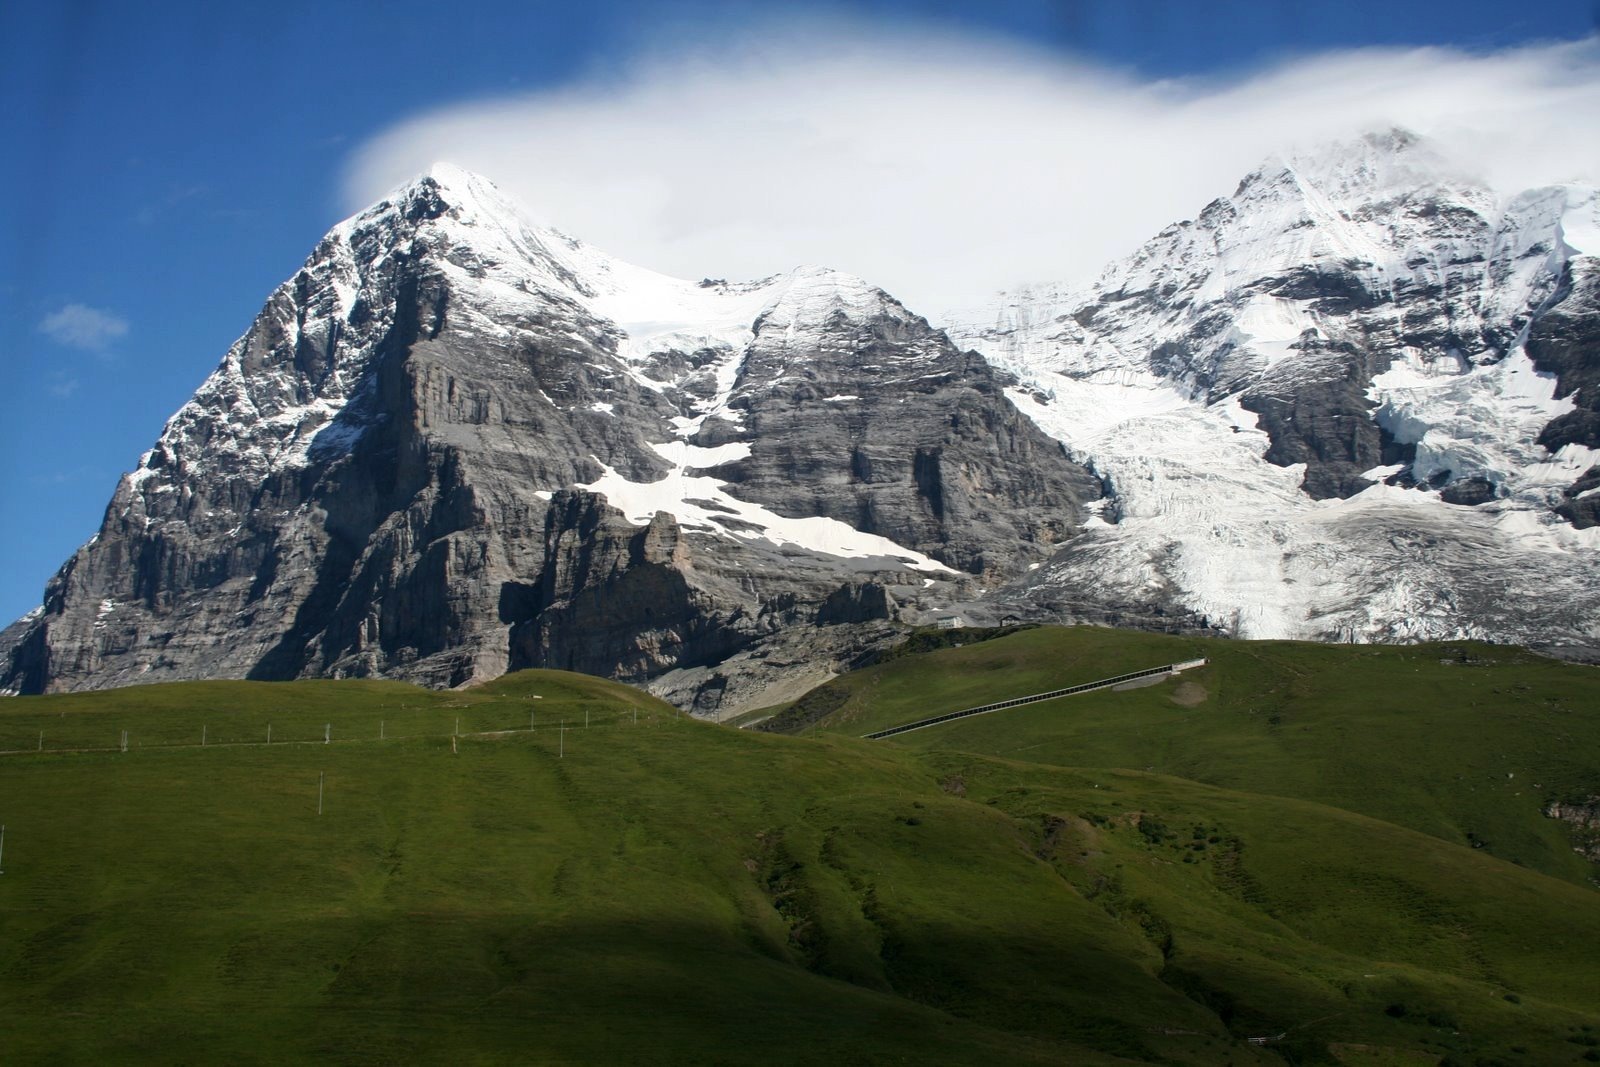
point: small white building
(950, 622)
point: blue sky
(169, 164)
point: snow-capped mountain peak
(456, 441)
(1360, 314)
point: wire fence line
(129, 742)
(549, 723)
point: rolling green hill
(650, 889)
(1466, 742)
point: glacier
(1375, 262)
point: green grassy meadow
(1463, 741)
(1151, 876)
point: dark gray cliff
(871, 417)
(1565, 341)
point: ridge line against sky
(174, 163)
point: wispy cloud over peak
(943, 168)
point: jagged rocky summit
(456, 444)
(1359, 399)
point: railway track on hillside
(1001, 705)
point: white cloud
(81, 326)
(943, 168)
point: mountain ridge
(1353, 401)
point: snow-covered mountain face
(455, 444)
(1359, 399)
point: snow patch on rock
(703, 504)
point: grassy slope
(669, 891)
(1468, 752)
(654, 894)
(1338, 930)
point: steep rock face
(615, 599)
(1350, 401)
(338, 494)
(13, 636)
(454, 443)
(857, 602)
(976, 487)
(1565, 341)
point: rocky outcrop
(1316, 411)
(776, 670)
(1581, 500)
(1565, 341)
(1583, 820)
(618, 600)
(857, 602)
